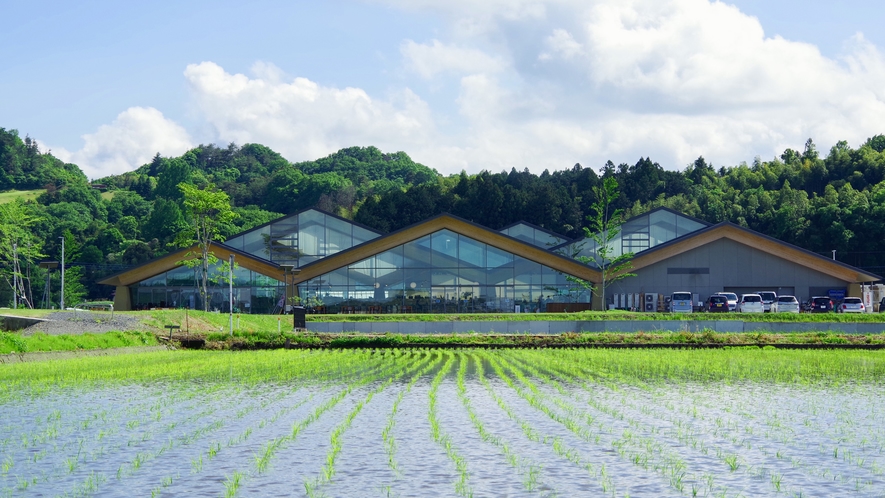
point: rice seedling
(529, 470)
(232, 484)
(462, 486)
(328, 470)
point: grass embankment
(210, 330)
(606, 315)
(11, 342)
(706, 339)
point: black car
(716, 303)
(882, 305)
(821, 304)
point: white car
(751, 303)
(768, 298)
(785, 304)
(851, 305)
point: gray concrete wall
(558, 327)
(731, 265)
(8, 322)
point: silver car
(851, 305)
(785, 304)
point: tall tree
(208, 210)
(605, 225)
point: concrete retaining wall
(558, 327)
(8, 322)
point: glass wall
(179, 288)
(440, 273)
(637, 234)
(301, 238)
(535, 236)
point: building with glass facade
(448, 265)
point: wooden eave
(173, 260)
(459, 226)
(755, 240)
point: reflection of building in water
(447, 264)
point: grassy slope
(24, 195)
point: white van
(681, 302)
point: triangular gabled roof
(756, 240)
(458, 225)
(172, 260)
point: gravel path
(80, 322)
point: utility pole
(231, 293)
(14, 275)
(62, 273)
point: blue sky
(522, 83)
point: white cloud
(589, 81)
(302, 119)
(135, 136)
(543, 85)
(430, 60)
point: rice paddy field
(414, 422)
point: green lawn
(25, 195)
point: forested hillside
(821, 203)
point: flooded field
(448, 423)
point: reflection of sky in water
(584, 438)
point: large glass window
(442, 273)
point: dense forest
(821, 203)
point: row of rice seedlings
(726, 455)
(646, 451)
(251, 368)
(273, 446)
(141, 458)
(527, 469)
(686, 437)
(462, 486)
(811, 431)
(641, 451)
(355, 370)
(737, 421)
(563, 450)
(328, 470)
(68, 464)
(387, 433)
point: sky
(456, 84)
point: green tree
(605, 225)
(208, 210)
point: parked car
(785, 304)
(732, 300)
(851, 305)
(821, 304)
(681, 302)
(768, 298)
(751, 303)
(716, 303)
(882, 305)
